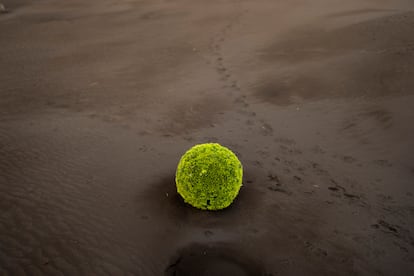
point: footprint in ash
(212, 259)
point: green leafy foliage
(209, 176)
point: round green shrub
(209, 176)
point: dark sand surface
(100, 98)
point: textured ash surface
(99, 100)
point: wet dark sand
(99, 99)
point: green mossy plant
(209, 176)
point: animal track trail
(275, 184)
(230, 83)
(403, 238)
(220, 63)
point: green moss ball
(209, 176)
